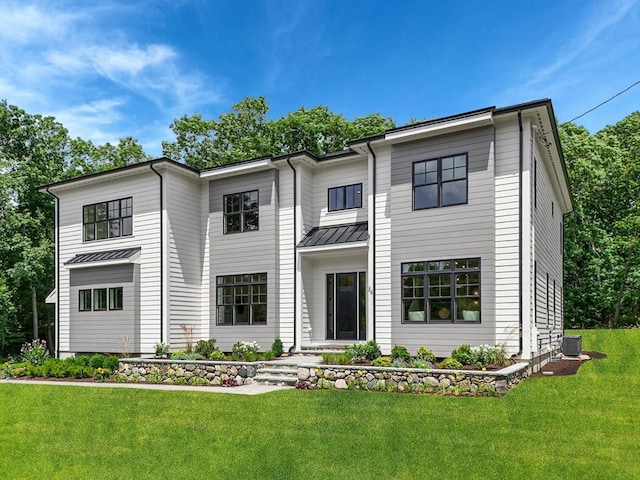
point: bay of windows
(242, 299)
(443, 291)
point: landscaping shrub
(462, 354)
(97, 361)
(83, 360)
(111, 363)
(451, 363)
(216, 355)
(247, 351)
(161, 349)
(178, 355)
(400, 362)
(35, 352)
(425, 354)
(206, 347)
(398, 352)
(381, 362)
(419, 363)
(277, 348)
(359, 352)
(268, 355)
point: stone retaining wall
(191, 372)
(452, 382)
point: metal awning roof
(335, 234)
(103, 256)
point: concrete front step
(275, 380)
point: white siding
(186, 258)
(507, 248)
(144, 188)
(286, 255)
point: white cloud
(74, 62)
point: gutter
(520, 226)
(295, 255)
(56, 322)
(372, 183)
(161, 253)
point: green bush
(178, 355)
(216, 355)
(206, 347)
(359, 352)
(451, 363)
(111, 363)
(83, 360)
(398, 352)
(247, 351)
(97, 361)
(425, 354)
(277, 348)
(268, 355)
(463, 355)
(381, 362)
(161, 349)
(419, 363)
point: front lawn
(582, 426)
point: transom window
(241, 212)
(443, 291)
(107, 219)
(242, 299)
(348, 196)
(96, 299)
(440, 182)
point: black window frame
(439, 283)
(105, 220)
(235, 292)
(439, 182)
(100, 296)
(351, 197)
(243, 212)
(82, 306)
(116, 298)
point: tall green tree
(246, 133)
(602, 235)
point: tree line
(602, 244)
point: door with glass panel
(346, 306)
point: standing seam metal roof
(102, 256)
(335, 234)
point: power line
(601, 104)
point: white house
(439, 233)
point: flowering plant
(35, 352)
(245, 351)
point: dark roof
(352, 232)
(102, 256)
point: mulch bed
(567, 367)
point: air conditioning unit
(572, 345)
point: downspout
(372, 183)
(56, 322)
(161, 253)
(520, 226)
(295, 255)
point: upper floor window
(241, 212)
(348, 196)
(107, 219)
(440, 182)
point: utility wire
(601, 104)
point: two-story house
(439, 233)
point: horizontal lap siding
(507, 231)
(186, 257)
(144, 188)
(106, 331)
(548, 257)
(338, 175)
(245, 252)
(461, 231)
(286, 256)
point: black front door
(345, 308)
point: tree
(602, 243)
(246, 133)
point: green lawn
(583, 426)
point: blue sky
(112, 69)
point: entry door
(346, 300)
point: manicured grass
(582, 426)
